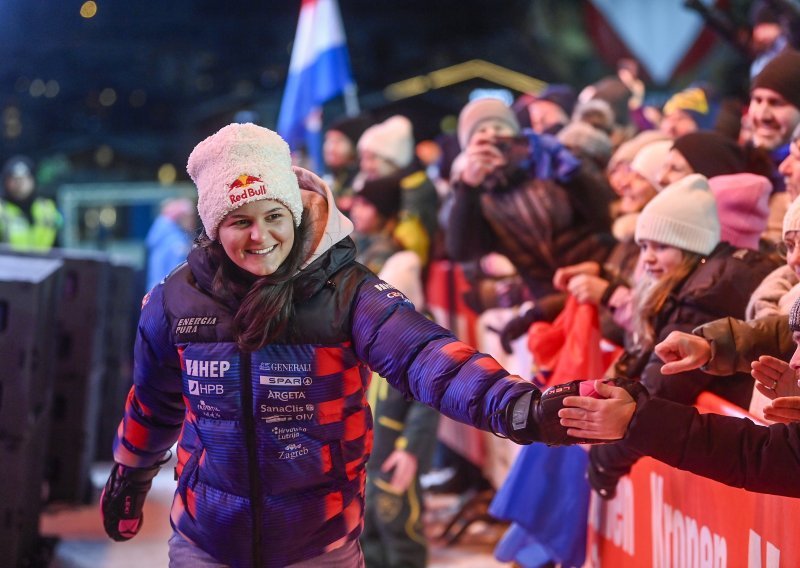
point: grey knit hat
(480, 110)
(794, 316)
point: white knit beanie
(649, 161)
(480, 110)
(791, 220)
(392, 140)
(239, 164)
(683, 215)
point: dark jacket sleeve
(468, 235)
(154, 411)
(736, 343)
(733, 451)
(686, 387)
(426, 362)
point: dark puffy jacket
(720, 286)
(272, 445)
(733, 451)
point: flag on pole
(318, 71)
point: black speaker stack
(29, 294)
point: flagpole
(351, 107)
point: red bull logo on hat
(244, 183)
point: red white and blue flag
(318, 71)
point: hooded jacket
(272, 445)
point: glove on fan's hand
(534, 416)
(516, 327)
(123, 499)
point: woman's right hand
(481, 158)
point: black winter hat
(560, 94)
(782, 75)
(612, 90)
(711, 153)
(384, 194)
(352, 126)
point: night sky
(149, 80)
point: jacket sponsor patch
(193, 323)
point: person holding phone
(527, 197)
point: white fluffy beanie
(683, 215)
(480, 110)
(392, 140)
(791, 220)
(239, 164)
(649, 161)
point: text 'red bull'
(245, 183)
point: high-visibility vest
(19, 232)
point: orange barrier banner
(664, 517)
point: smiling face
(636, 192)
(675, 168)
(258, 236)
(659, 260)
(774, 118)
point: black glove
(123, 498)
(534, 416)
(516, 327)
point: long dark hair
(265, 303)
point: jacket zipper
(252, 459)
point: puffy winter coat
(733, 451)
(720, 286)
(272, 445)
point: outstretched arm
(683, 352)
